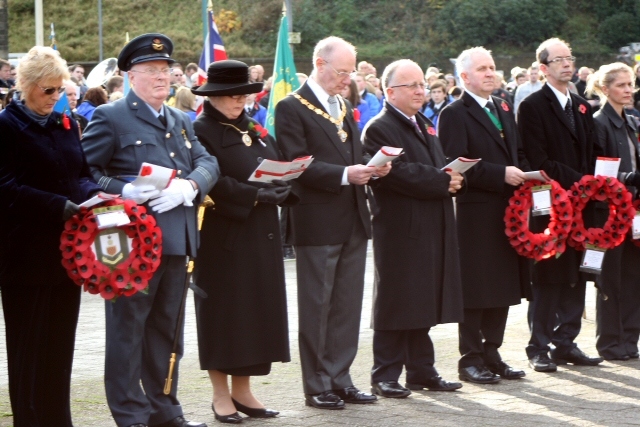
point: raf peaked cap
(228, 77)
(144, 48)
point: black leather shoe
(234, 418)
(353, 395)
(478, 374)
(634, 355)
(434, 384)
(324, 400)
(623, 358)
(575, 356)
(254, 412)
(505, 371)
(390, 389)
(542, 363)
(181, 422)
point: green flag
(285, 79)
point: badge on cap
(157, 44)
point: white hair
(463, 62)
(325, 47)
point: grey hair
(390, 70)
(463, 62)
(325, 47)
(542, 52)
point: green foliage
(425, 30)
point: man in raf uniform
(122, 135)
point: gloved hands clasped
(179, 192)
(274, 195)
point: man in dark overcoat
(481, 126)
(559, 137)
(417, 270)
(330, 226)
(121, 135)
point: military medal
(186, 140)
(342, 134)
(246, 139)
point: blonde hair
(40, 63)
(184, 99)
(604, 77)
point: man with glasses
(417, 270)
(140, 328)
(558, 136)
(330, 227)
(481, 126)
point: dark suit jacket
(416, 248)
(327, 210)
(40, 169)
(492, 271)
(565, 155)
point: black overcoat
(493, 274)
(243, 319)
(614, 133)
(551, 145)
(417, 270)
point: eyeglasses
(51, 90)
(561, 59)
(238, 97)
(154, 72)
(343, 74)
(412, 86)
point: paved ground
(608, 395)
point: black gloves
(70, 209)
(274, 195)
(631, 178)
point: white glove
(179, 192)
(139, 194)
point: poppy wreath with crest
(621, 212)
(551, 242)
(115, 261)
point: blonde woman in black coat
(618, 302)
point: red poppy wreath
(551, 242)
(115, 261)
(621, 212)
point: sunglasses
(51, 90)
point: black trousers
(555, 316)
(410, 348)
(40, 324)
(481, 335)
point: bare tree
(4, 29)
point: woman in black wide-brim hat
(242, 321)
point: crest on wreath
(112, 247)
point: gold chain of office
(338, 122)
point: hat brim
(127, 67)
(218, 89)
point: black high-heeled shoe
(234, 418)
(254, 412)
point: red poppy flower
(505, 107)
(145, 171)
(582, 108)
(108, 291)
(66, 123)
(431, 130)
